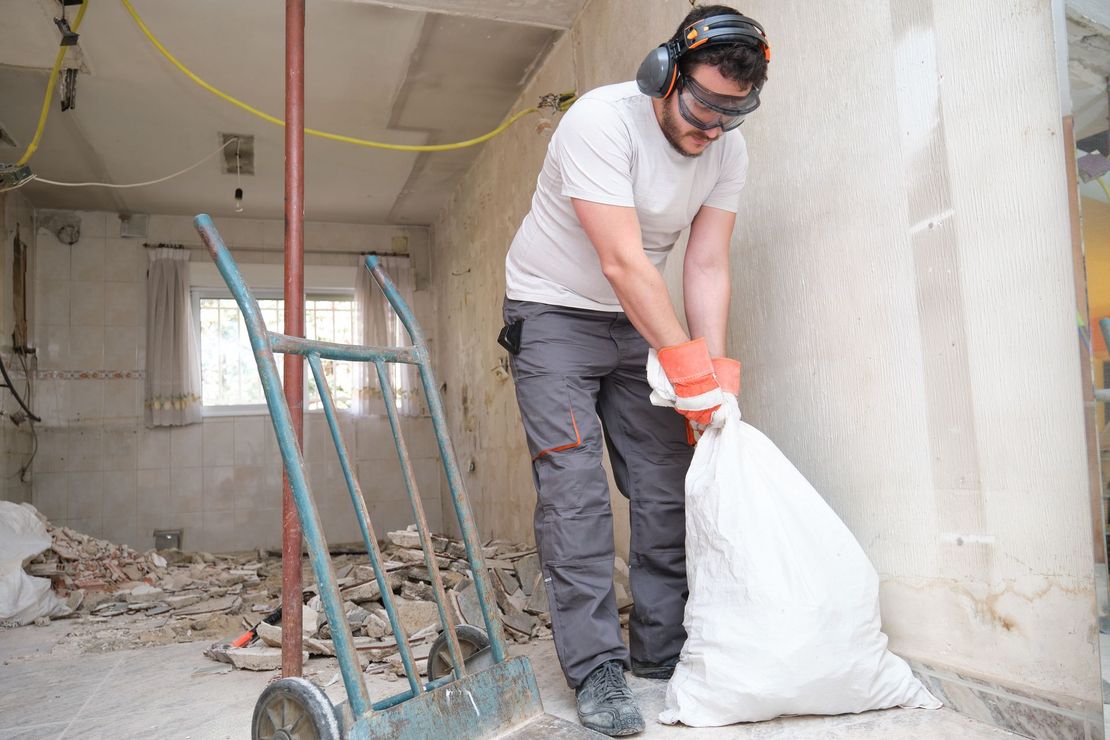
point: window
(229, 375)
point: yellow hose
(313, 132)
(53, 82)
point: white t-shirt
(608, 148)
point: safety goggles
(705, 109)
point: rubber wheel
(471, 641)
(294, 709)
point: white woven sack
(783, 613)
(24, 598)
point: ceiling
(401, 71)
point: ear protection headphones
(659, 70)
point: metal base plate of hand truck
(501, 701)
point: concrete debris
(123, 598)
(257, 658)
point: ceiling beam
(554, 14)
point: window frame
(197, 293)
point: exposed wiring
(29, 394)
(324, 134)
(50, 85)
(18, 185)
(133, 184)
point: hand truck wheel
(474, 644)
(294, 709)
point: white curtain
(173, 392)
(379, 326)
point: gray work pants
(573, 367)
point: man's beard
(672, 132)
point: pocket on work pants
(551, 423)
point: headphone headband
(722, 29)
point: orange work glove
(690, 370)
(728, 374)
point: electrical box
(11, 175)
(167, 539)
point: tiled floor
(169, 691)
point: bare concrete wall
(903, 304)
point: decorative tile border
(89, 374)
(1013, 708)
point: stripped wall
(16, 440)
(903, 305)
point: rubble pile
(520, 596)
(123, 598)
(103, 580)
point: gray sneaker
(605, 702)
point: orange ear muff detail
(693, 34)
(674, 78)
(767, 52)
(696, 44)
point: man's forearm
(646, 302)
(706, 295)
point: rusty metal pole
(291, 585)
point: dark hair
(743, 61)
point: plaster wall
(903, 304)
(102, 472)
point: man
(629, 168)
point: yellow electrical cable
(313, 132)
(50, 85)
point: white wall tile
(85, 399)
(262, 526)
(125, 531)
(86, 450)
(154, 449)
(121, 446)
(219, 442)
(254, 441)
(86, 348)
(52, 257)
(86, 496)
(187, 487)
(186, 446)
(94, 224)
(120, 494)
(153, 493)
(375, 439)
(86, 303)
(52, 346)
(50, 495)
(255, 488)
(52, 301)
(49, 401)
(219, 490)
(121, 305)
(87, 260)
(121, 398)
(121, 348)
(120, 258)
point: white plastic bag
(783, 613)
(24, 598)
